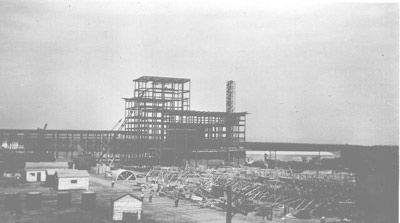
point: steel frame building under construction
(160, 111)
(160, 106)
(157, 120)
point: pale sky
(306, 73)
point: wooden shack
(36, 171)
(51, 177)
(71, 180)
(126, 208)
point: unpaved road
(163, 208)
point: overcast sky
(306, 73)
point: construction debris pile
(257, 190)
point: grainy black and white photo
(163, 111)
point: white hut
(36, 171)
(51, 177)
(126, 208)
(71, 180)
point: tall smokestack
(230, 96)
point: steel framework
(157, 116)
(71, 143)
(161, 104)
(152, 96)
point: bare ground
(162, 209)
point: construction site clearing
(190, 166)
(258, 195)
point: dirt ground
(161, 209)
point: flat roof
(68, 173)
(152, 99)
(162, 148)
(197, 113)
(203, 113)
(293, 153)
(63, 131)
(45, 165)
(161, 79)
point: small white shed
(51, 177)
(126, 208)
(36, 171)
(71, 180)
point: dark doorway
(129, 217)
(39, 176)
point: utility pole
(270, 157)
(186, 150)
(319, 162)
(229, 204)
(195, 162)
(197, 144)
(175, 148)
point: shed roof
(52, 171)
(45, 165)
(128, 194)
(63, 159)
(72, 173)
